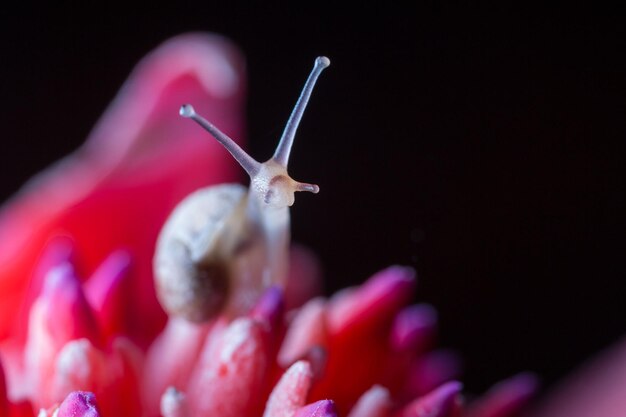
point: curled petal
(375, 402)
(413, 328)
(60, 315)
(58, 251)
(79, 404)
(68, 315)
(228, 379)
(374, 302)
(442, 402)
(430, 371)
(270, 307)
(359, 322)
(125, 363)
(79, 366)
(306, 331)
(174, 403)
(507, 398)
(291, 391)
(4, 401)
(597, 389)
(162, 368)
(322, 408)
(108, 293)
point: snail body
(223, 244)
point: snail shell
(191, 265)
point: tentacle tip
(310, 188)
(322, 61)
(186, 110)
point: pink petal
(61, 314)
(78, 366)
(79, 404)
(307, 330)
(442, 402)
(108, 293)
(270, 307)
(125, 363)
(59, 250)
(597, 389)
(291, 391)
(412, 334)
(174, 403)
(374, 302)
(4, 401)
(413, 328)
(162, 368)
(139, 162)
(375, 402)
(430, 371)
(359, 324)
(69, 315)
(507, 398)
(322, 408)
(229, 379)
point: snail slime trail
(224, 244)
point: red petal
(108, 293)
(163, 368)
(306, 330)
(322, 408)
(359, 324)
(442, 402)
(78, 366)
(139, 162)
(507, 398)
(598, 389)
(174, 404)
(4, 401)
(229, 378)
(79, 404)
(375, 402)
(291, 391)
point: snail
(223, 244)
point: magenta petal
(108, 293)
(442, 402)
(507, 398)
(79, 404)
(228, 379)
(270, 307)
(413, 328)
(4, 401)
(597, 389)
(69, 315)
(432, 370)
(174, 403)
(306, 335)
(291, 391)
(323, 408)
(375, 301)
(162, 369)
(59, 250)
(375, 402)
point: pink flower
(81, 332)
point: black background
(483, 145)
